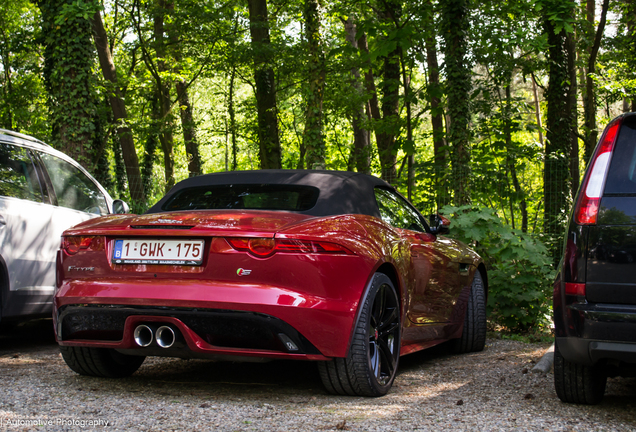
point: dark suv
(595, 289)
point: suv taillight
(589, 200)
(577, 289)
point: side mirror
(439, 224)
(120, 207)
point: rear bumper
(590, 352)
(324, 321)
(596, 332)
(200, 333)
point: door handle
(2, 221)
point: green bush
(520, 271)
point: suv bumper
(589, 351)
(598, 332)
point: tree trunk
(163, 86)
(589, 101)
(67, 78)
(361, 140)
(373, 105)
(455, 25)
(410, 177)
(6, 116)
(519, 194)
(120, 167)
(559, 130)
(440, 150)
(118, 106)
(150, 146)
(269, 141)
(232, 114)
(537, 109)
(389, 128)
(189, 130)
(386, 120)
(313, 137)
(571, 107)
(188, 125)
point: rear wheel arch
(389, 270)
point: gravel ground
(490, 391)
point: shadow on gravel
(423, 358)
(27, 336)
(177, 377)
(237, 379)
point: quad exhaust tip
(143, 335)
(165, 337)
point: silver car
(42, 193)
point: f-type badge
(90, 269)
(243, 272)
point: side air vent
(176, 227)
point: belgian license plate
(174, 252)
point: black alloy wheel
(371, 366)
(384, 333)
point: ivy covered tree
(265, 88)
(560, 174)
(455, 26)
(68, 64)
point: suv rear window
(250, 197)
(621, 177)
(18, 178)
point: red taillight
(73, 244)
(308, 246)
(260, 247)
(577, 289)
(265, 247)
(589, 201)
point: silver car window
(73, 188)
(18, 177)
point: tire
(100, 362)
(576, 383)
(371, 366)
(473, 336)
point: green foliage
(519, 267)
(22, 93)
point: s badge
(243, 272)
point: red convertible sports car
(335, 267)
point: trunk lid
(253, 223)
(611, 253)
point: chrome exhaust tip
(143, 335)
(165, 337)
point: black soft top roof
(341, 192)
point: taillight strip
(587, 206)
(265, 247)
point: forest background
(484, 110)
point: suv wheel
(576, 383)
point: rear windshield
(250, 197)
(621, 178)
